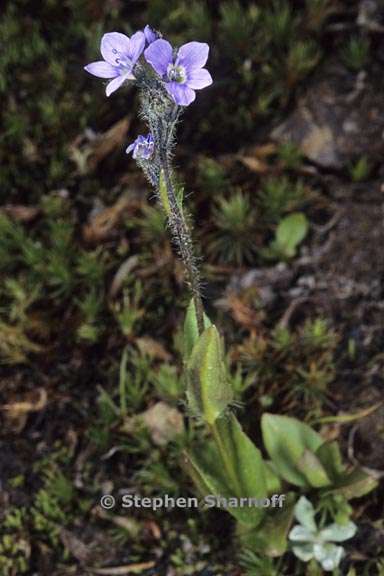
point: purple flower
(142, 148)
(183, 74)
(120, 54)
(150, 34)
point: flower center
(122, 61)
(176, 73)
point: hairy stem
(183, 239)
(177, 221)
(162, 120)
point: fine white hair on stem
(162, 116)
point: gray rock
(339, 119)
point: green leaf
(290, 231)
(164, 194)
(355, 484)
(313, 470)
(208, 388)
(245, 459)
(191, 332)
(271, 477)
(330, 457)
(211, 478)
(286, 439)
(270, 537)
(205, 470)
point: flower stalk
(168, 80)
(183, 239)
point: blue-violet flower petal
(120, 55)
(142, 148)
(150, 34)
(182, 74)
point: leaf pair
(209, 391)
(302, 458)
(231, 467)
